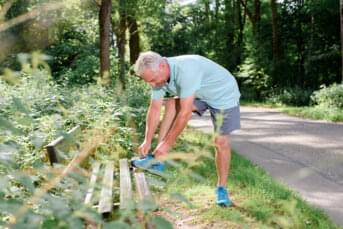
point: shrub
(331, 96)
(253, 81)
(290, 96)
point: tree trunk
(256, 17)
(241, 22)
(276, 39)
(105, 23)
(341, 13)
(121, 41)
(134, 39)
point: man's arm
(185, 113)
(152, 121)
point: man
(198, 84)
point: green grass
(262, 203)
(318, 113)
(309, 112)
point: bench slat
(92, 183)
(142, 186)
(105, 201)
(143, 194)
(125, 184)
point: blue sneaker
(223, 199)
(149, 163)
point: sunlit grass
(318, 113)
(261, 202)
(309, 112)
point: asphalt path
(305, 155)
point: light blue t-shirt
(201, 77)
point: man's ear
(163, 65)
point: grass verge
(309, 112)
(261, 202)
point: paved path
(306, 155)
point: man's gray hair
(147, 60)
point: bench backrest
(59, 149)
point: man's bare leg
(170, 112)
(223, 158)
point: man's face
(154, 78)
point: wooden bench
(64, 148)
(126, 187)
(101, 183)
(57, 149)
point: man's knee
(222, 141)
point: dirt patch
(183, 217)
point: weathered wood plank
(143, 194)
(92, 183)
(51, 148)
(142, 186)
(105, 201)
(125, 184)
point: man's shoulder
(186, 57)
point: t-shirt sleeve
(157, 93)
(189, 81)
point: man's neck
(168, 69)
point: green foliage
(331, 96)
(33, 111)
(254, 82)
(316, 112)
(76, 56)
(196, 29)
(294, 96)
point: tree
(255, 17)
(276, 39)
(132, 11)
(105, 25)
(341, 14)
(119, 27)
(134, 38)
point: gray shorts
(228, 119)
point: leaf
(30, 221)
(75, 223)
(7, 126)
(49, 224)
(10, 205)
(89, 214)
(147, 205)
(161, 223)
(117, 225)
(38, 139)
(58, 206)
(7, 149)
(20, 106)
(25, 121)
(10, 77)
(27, 182)
(3, 182)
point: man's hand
(162, 149)
(143, 149)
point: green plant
(254, 82)
(295, 96)
(331, 96)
